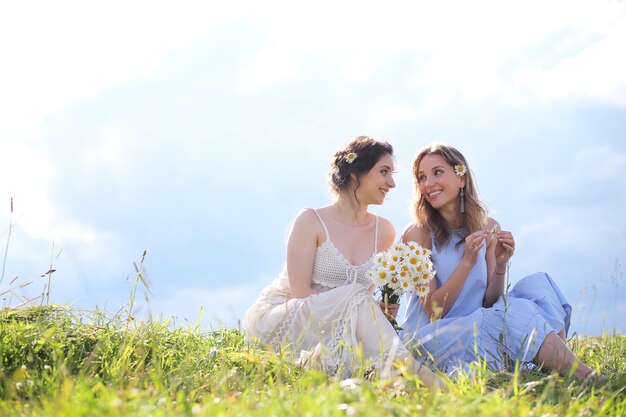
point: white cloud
(359, 67)
(598, 71)
(28, 176)
(71, 51)
(267, 67)
(393, 114)
(58, 54)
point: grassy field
(57, 361)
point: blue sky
(196, 131)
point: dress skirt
(336, 329)
(512, 329)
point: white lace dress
(334, 322)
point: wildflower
(379, 258)
(402, 268)
(422, 290)
(379, 276)
(351, 157)
(460, 169)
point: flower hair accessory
(351, 157)
(460, 169)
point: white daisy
(460, 169)
(422, 290)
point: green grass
(56, 361)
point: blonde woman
(466, 317)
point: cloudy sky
(196, 130)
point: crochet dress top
(331, 269)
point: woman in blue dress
(466, 316)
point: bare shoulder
(386, 232)
(416, 233)
(305, 215)
(306, 220)
(385, 227)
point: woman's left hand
(390, 310)
(505, 247)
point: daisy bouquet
(403, 267)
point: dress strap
(376, 237)
(323, 224)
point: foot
(595, 379)
(430, 378)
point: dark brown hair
(368, 152)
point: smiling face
(438, 183)
(376, 183)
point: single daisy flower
(425, 278)
(351, 157)
(379, 276)
(460, 169)
(422, 290)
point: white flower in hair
(351, 157)
(460, 169)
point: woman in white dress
(320, 310)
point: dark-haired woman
(466, 317)
(320, 310)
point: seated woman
(320, 310)
(466, 317)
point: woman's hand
(505, 247)
(473, 245)
(390, 310)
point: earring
(462, 200)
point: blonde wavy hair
(475, 215)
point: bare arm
(499, 252)
(302, 243)
(440, 300)
(386, 237)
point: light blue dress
(513, 328)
